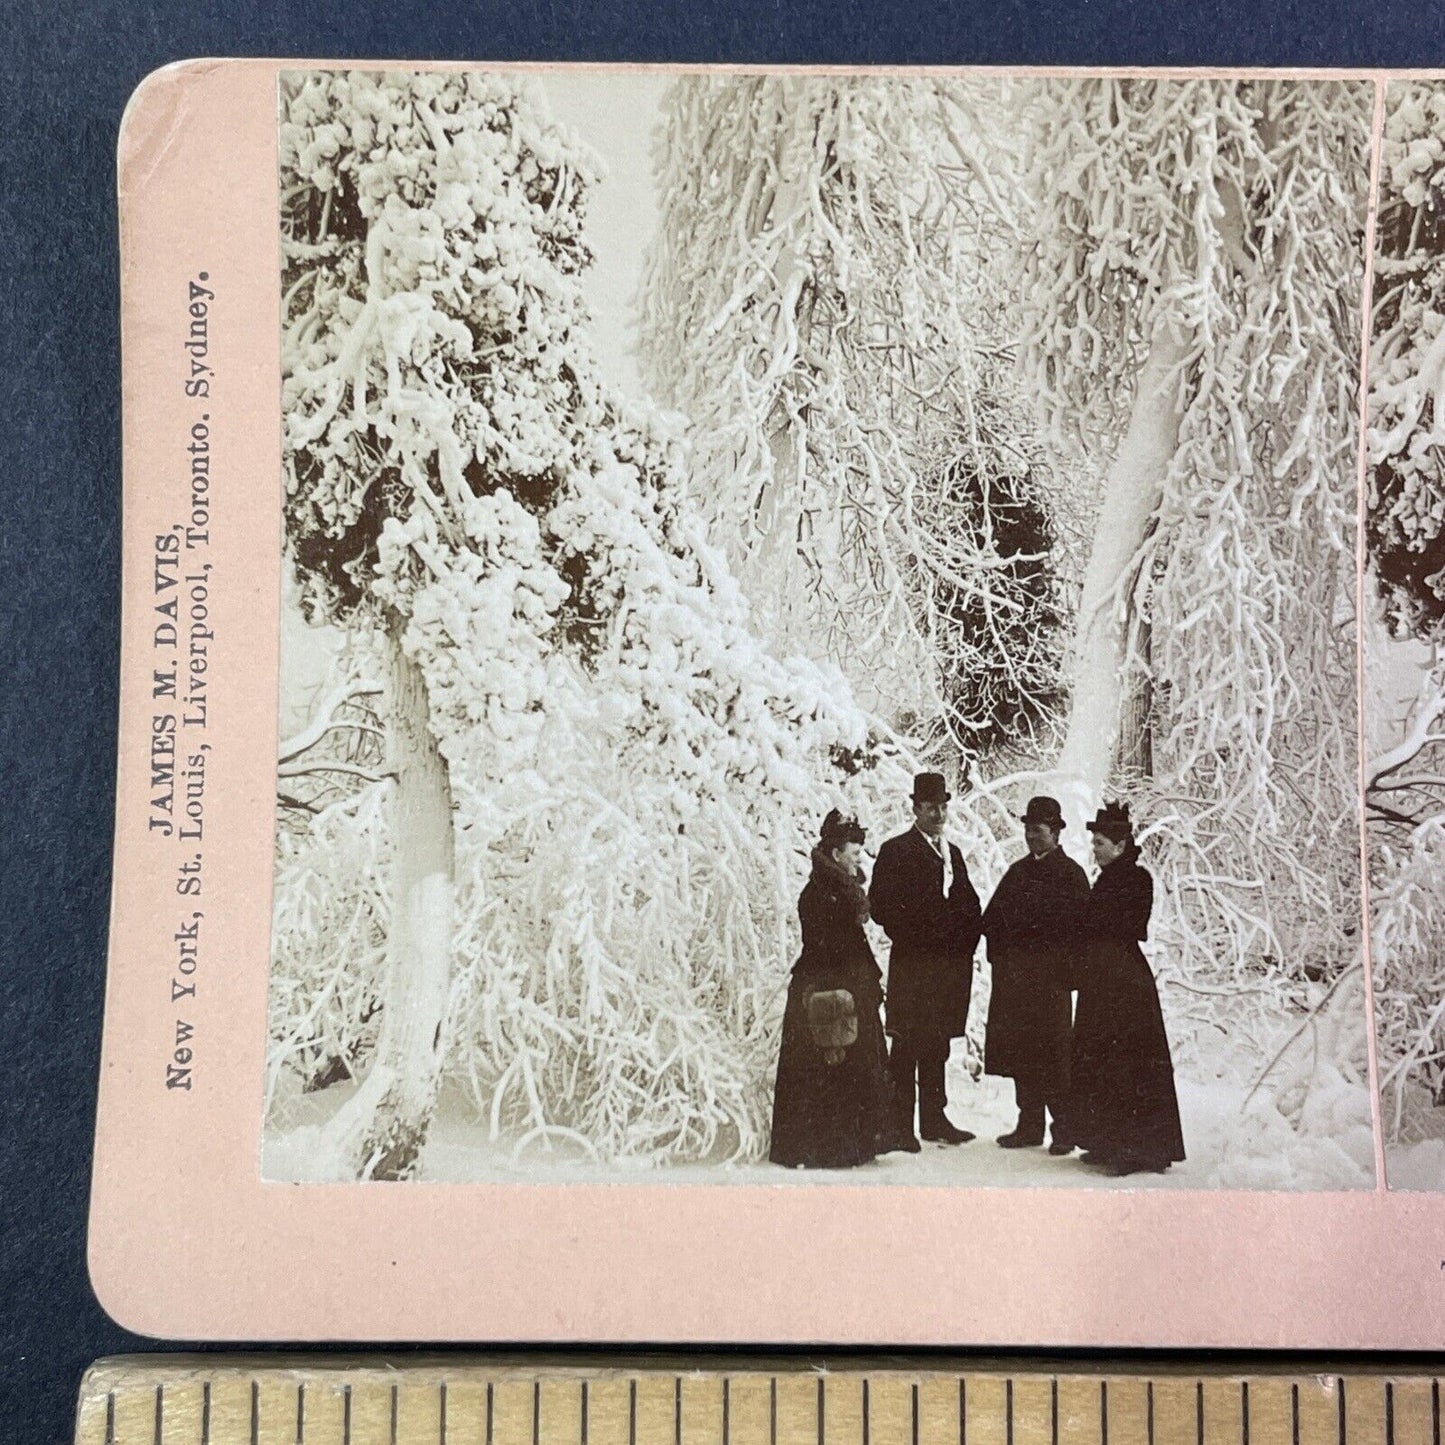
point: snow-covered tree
(573, 889)
(1405, 519)
(825, 300)
(1406, 513)
(1194, 289)
(431, 234)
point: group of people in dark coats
(1099, 1071)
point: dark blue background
(67, 73)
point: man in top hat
(922, 897)
(1032, 925)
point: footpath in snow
(1228, 1149)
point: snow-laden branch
(1419, 734)
(326, 718)
(315, 767)
(838, 336)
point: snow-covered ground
(1416, 1166)
(1228, 1149)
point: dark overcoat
(1124, 1104)
(830, 1116)
(1032, 926)
(930, 966)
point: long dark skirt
(1123, 1105)
(829, 1116)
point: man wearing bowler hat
(1032, 925)
(922, 897)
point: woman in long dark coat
(830, 1106)
(1123, 1111)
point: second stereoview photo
(1404, 630)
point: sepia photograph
(1404, 696)
(820, 636)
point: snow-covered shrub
(633, 820)
(328, 944)
(1408, 937)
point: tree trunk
(1133, 489)
(771, 566)
(379, 1132)
(1135, 758)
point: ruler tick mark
(1434, 1412)
(1389, 1413)
(160, 1411)
(255, 1412)
(962, 1410)
(822, 1408)
(489, 1412)
(1341, 1384)
(726, 1421)
(677, 1410)
(1054, 1411)
(631, 1412)
(915, 1415)
(300, 1412)
(346, 1415)
(206, 1413)
(1294, 1414)
(773, 1410)
(536, 1413)
(1199, 1412)
(1244, 1410)
(1104, 1413)
(110, 1417)
(865, 1410)
(584, 1412)
(1149, 1408)
(444, 1414)
(1008, 1414)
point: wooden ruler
(214, 1401)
